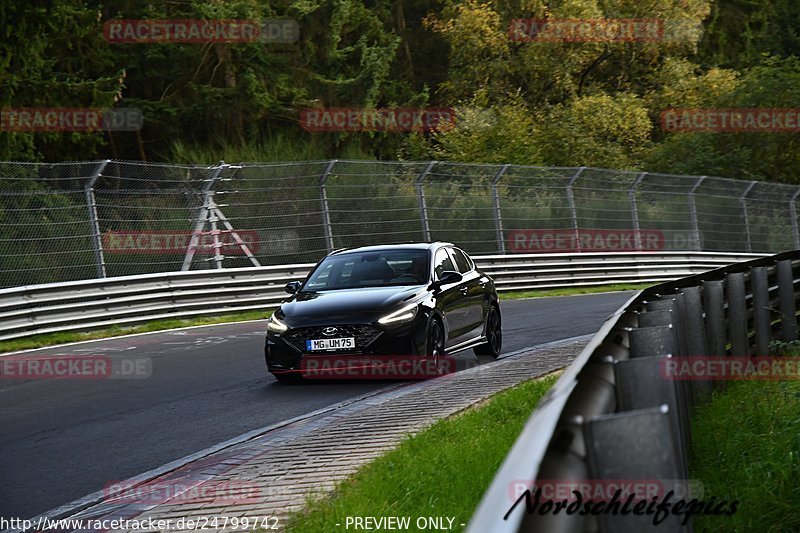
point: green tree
(772, 156)
(53, 55)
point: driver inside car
(418, 268)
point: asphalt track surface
(64, 439)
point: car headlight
(276, 326)
(401, 315)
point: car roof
(394, 246)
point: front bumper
(284, 353)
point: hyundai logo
(330, 331)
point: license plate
(331, 344)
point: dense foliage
(542, 103)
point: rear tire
(494, 335)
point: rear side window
(462, 261)
(442, 262)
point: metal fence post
(498, 220)
(573, 212)
(97, 241)
(743, 202)
(203, 216)
(693, 213)
(793, 216)
(635, 210)
(423, 206)
(323, 197)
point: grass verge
(52, 339)
(442, 471)
(570, 291)
(746, 447)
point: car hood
(345, 305)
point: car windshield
(381, 268)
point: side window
(462, 261)
(442, 262)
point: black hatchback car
(424, 299)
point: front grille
(363, 333)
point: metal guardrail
(614, 415)
(127, 300)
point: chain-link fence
(69, 221)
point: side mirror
(448, 277)
(293, 286)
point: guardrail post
(652, 340)
(498, 219)
(793, 217)
(635, 210)
(743, 202)
(323, 198)
(643, 382)
(695, 334)
(635, 445)
(674, 304)
(423, 206)
(97, 241)
(670, 310)
(714, 305)
(573, 212)
(737, 314)
(693, 213)
(664, 317)
(759, 286)
(786, 298)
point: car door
(451, 300)
(473, 285)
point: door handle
(464, 290)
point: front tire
(288, 377)
(434, 345)
(494, 335)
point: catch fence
(80, 220)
